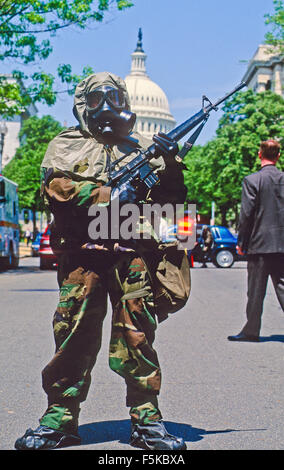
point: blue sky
(193, 47)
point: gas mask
(107, 115)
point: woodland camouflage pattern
(74, 171)
(77, 327)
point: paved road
(217, 394)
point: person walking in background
(28, 237)
(261, 236)
(207, 242)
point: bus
(9, 224)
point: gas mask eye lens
(95, 99)
(116, 98)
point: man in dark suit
(261, 236)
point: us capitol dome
(147, 99)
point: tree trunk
(236, 216)
(223, 210)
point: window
(216, 232)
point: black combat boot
(44, 438)
(154, 436)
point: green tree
(217, 169)
(196, 178)
(24, 168)
(26, 30)
(276, 21)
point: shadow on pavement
(106, 431)
(21, 270)
(27, 269)
(265, 339)
(34, 290)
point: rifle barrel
(221, 100)
(180, 131)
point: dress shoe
(154, 436)
(44, 438)
(243, 337)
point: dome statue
(147, 99)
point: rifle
(139, 171)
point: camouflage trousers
(85, 281)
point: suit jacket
(261, 223)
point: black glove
(126, 194)
(165, 146)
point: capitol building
(147, 99)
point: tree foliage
(23, 22)
(24, 168)
(26, 30)
(216, 170)
(276, 21)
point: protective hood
(90, 84)
(76, 151)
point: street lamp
(3, 132)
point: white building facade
(265, 71)
(11, 143)
(14, 124)
(147, 99)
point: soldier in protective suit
(75, 171)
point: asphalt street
(217, 394)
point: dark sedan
(223, 253)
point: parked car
(223, 252)
(47, 258)
(36, 244)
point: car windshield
(224, 232)
(217, 232)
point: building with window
(265, 71)
(147, 99)
(14, 124)
(11, 143)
